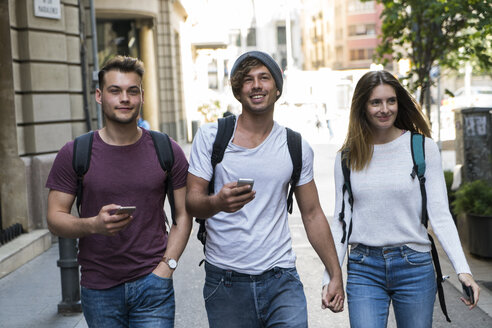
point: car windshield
(485, 92)
(473, 90)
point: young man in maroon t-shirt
(127, 261)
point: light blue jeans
(378, 275)
(273, 299)
(145, 302)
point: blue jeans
(145, 302)
(272, 299)
(378, 275)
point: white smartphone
(242, 182)
(126, 210)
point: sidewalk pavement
(29, 295)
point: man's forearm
(68, 226)
(319, 235)
(178, 236)
(201, 206)
(60, 220)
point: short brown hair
(122, 64)
(239, 74)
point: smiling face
(121, 97)
(258, 93)
(382, 108)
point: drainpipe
(83, 64)
(69, 268)
(95, 60)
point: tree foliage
(436, 32)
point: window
(361, 54)
(281, 35)
(339, 33)
(116, 37)
(213, 80)
(356, 6)
(235, 38)
(339, 53)
(251, 38)
(362, 29)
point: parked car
(480, 96)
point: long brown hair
(358, 145)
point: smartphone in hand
(126, 210)
(242, 182)
(468, 293)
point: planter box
(480, 235)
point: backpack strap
(346, 188)
(165, 154)
(418, 170)
(82, 149)
(418, 157)
(225, 129)
(439, 278)
(294, 143)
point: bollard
(69, 273)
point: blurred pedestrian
(127, 260)
(143, 123)
(251, 279)
(390, 259)
(328, 118)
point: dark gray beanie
(268, 61)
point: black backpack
(224, 133)
(82, 149)
(418, 156)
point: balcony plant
(474, 200)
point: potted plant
(474, 200)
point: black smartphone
(126, 210)
(468, 293)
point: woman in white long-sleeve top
(390, 258)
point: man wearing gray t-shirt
(251, 279)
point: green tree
(435, 32)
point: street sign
(47, 9)
(435, 72)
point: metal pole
(439, 141)
(69, 272)
(288, 36)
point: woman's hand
(467, 280)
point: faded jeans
(378, 275)
(146, 302)
(273, 299)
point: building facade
(340, 34)
(318, 34)
(218, 39)
(47, 88)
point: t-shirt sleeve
(180, 166)
(201, 152)
(307, 164)
(62, 177)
